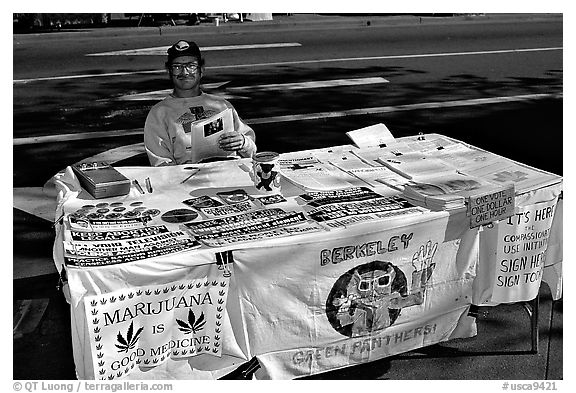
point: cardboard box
(101, 180)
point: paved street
(301, 82)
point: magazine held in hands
(205, 133)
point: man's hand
(231, 141)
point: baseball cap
(184, 48)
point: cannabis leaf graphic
(130, 341)
(193, 325)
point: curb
(311, 22)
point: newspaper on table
(378, 176)
(429, 145)
(503, 171)
(367, 173)
(493, 168)
(309, 173)
(416, 165)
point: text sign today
(486, 208)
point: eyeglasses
(367, 284)
(189, 67)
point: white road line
(146, 96)
(82, 76)
(373, 58)
(423, 55)
(161, 50)
(160, 94)
(311, 85)
(308, 116)
(112, 156)
(75, 137)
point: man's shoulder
(166, 101)
(166, 104)
(214, 99)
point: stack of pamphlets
(446, 192)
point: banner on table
(390, 291)
(145, 326)
(521, 252)
(257, 225)
(345, 207)
(111, 247)
(104, 224)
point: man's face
(183, 78)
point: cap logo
(181, 45)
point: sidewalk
(311, 22)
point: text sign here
(521, 252)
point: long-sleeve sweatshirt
(167, 131)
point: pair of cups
(265, 172)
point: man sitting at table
(168, 129)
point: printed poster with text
(521, 252)
(143, 327)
